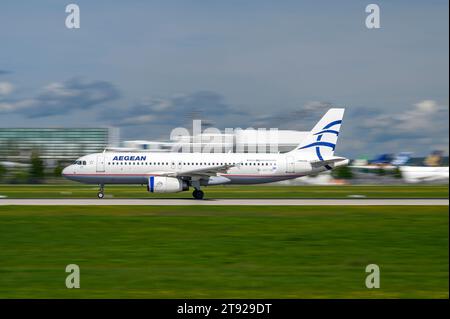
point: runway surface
(228, 202)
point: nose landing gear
(101, 194)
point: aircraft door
(100, 163)
(290, 164)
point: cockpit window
(79, 163)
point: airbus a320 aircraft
(176, 172)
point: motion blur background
(134, 71)
(38, 155)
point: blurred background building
(240, 141)
(48, 150)
(54, 144)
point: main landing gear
(101, 194)
(198, 194)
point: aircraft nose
(65, 171)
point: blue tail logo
(318, 143)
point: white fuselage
(416, 174)
(175, 172)
(136, 167)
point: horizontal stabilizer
(335, 162)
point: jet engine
(162, 184)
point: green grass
(90, 191)
(224, 252)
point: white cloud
(6, 88)
(178, 110)
(421, 128)
(59, 89)
(16, 106)
(138, 120)
(427, 106)
(61, 97)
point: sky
(150, 66)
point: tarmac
(226, 202)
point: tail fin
(321, 140)
(401, 158)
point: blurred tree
(19, 177)
(397, 173)
(58, 169)
(380, 171)
(37, 169)
(343, 172)
(2, 172)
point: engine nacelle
(162, 184)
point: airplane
(431, 172)
(401, 159)
(418, 174)
(384, 161)
(177, 172)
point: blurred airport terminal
(29, 155)
(54, 144)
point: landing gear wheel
(100, 193)
(198, 194)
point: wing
(198, 173)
